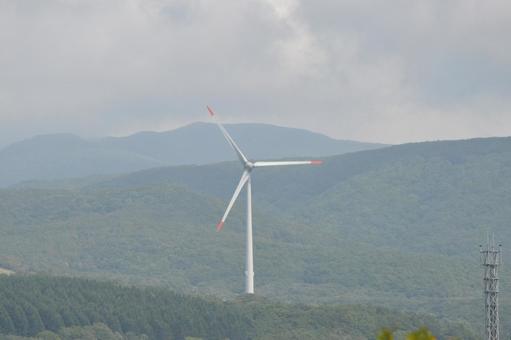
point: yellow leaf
(421, 334)
(385, 334)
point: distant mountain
(63, 156)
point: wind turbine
(245, 180)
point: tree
(19, 319)
(48, 335)
(35, 324)
(6, 324)
(421, 334)
(385, 334)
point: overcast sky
(386, 71)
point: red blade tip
(219, 226)
(211, 113)
(316, 162)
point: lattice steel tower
(491, 258)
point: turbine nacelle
(249, 166)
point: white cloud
(372, 70)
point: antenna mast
(491, 258)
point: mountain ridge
(57, 156)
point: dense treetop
(72, 308)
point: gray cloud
(370, 70)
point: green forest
(398, 227)
(255, 170)
(70, 308)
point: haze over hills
(66, 156)
(398, 226)
(118, 221)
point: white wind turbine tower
(245, 179)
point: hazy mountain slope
(399, 226)
(202, 143)
(287, 187)
(66, 156)
(423, 198)
(166, 235)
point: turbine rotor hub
(249, 166)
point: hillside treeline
(40, 306)
(398, 227)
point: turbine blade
(243, 180)
(280, 163)
(227, 136)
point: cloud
(371, 70)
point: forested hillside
(63, 156)
(46, 307)
(398, 227)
